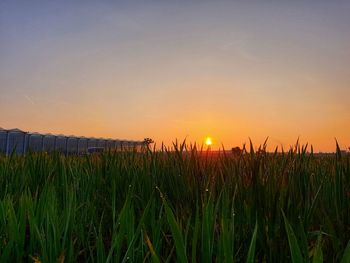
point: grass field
(184, 205)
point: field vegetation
(183, 205)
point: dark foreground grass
(175, 206)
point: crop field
(183, 205)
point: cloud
(239, 47)
(29, 99)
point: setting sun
(208, 141)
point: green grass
(176, 206)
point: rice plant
(176, 205)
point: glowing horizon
(233, 70)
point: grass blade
(293, 242)
(176, 232)
(318, 255)
(251, 251)
(346, 255)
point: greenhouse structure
(20, 142)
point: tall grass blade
(346, 254)
(251, 251)
(318, 255)
(293, 242)
(176, 233)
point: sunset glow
(165, 70)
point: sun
(208, 141)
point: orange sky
(166, 71)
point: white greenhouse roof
(70, 136)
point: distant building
(12, 141)
(20, 142)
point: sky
(232, 70)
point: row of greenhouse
(20, 142)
